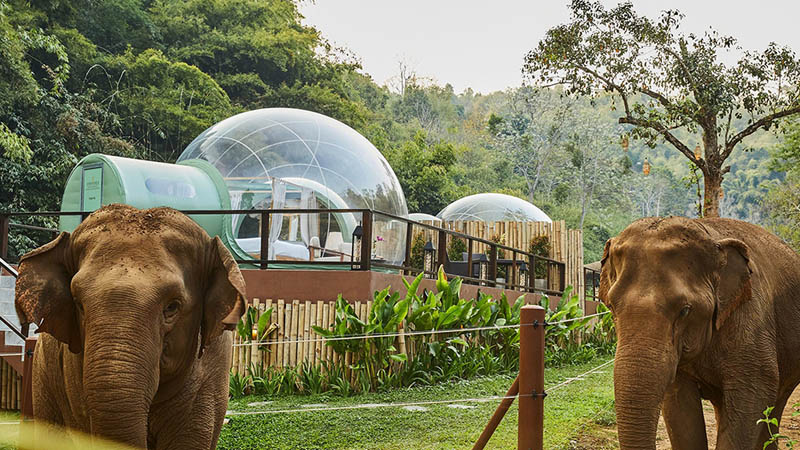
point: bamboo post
(235, 354)
(312, 345)
(320, 323)
(301, 346)
(266, 353)
(261, 352)
(287, 320)
(248, 350)
(279, 351)
(242, 358)
(307, 346)
(293, 333)
(531, 378)
(327, 351)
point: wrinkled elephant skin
(705, 309)
(133, 309)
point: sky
(481, 44)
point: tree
(668, 81)
(592, 165)
(423, 172)
(531, 135)
(782, 205)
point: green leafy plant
(239, 385)
(776, 437)
(253, 328)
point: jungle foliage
(142, 79)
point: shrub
(456, 249)
(417, 250)
(540, 246)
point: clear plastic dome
(492, 208)
(290, 158)
(422, 217)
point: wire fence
(550, 390)
(351, 337)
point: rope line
(376, 405)
(579, 377)
(577, 318)
(421, 403)
(380, 335)
(408, 333)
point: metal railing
(5, 266)
(363, 259)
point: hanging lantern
(523, 277)
(646, 167)
(697, 153)
(624, 143)
(355, 256)
(255, 332)
(428, 259)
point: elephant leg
(738, 417)
(198, 428)
(683, 416)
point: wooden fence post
(531, 378)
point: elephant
(134, 310)
(704, 309)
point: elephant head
(140, 293)
(671, 285)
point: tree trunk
(712, 182)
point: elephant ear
(735, 272)
(43, 292)
(225, 297)
(607, 274)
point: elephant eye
(685, 311)
(171, 309)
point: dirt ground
(604, 437)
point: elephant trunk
(120, 379)
(641, 377)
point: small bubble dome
(490, 207)
(289, 158)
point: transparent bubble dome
(306, 151)
(490, 207)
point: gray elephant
(705, 309)
(133, 308)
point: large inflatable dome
(492, 208)
(288, 158)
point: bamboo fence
(10, 387)
(294, 341)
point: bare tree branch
(664, 131)
(763, 122)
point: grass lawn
(567, 410)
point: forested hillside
(142, 78)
